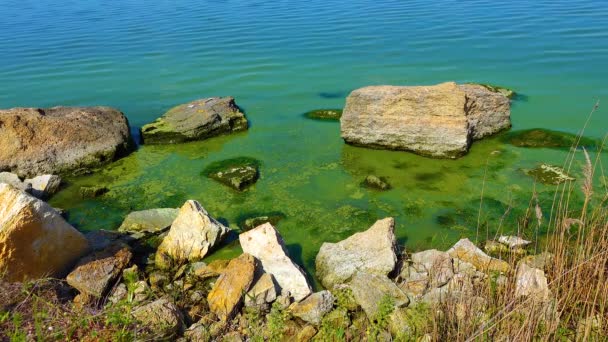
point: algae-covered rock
(251, 222)
(35, 241)
(93, 191)
(148, 221)
(324, 114)
(375, 182)
(509, 93)
(197, 120)
(539, 137)
(549, 174)
(237, 173)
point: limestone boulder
(371, 251)
(370, 289)
(162, 316)
(197, 120)
(466, 250)
(436, 121)
(314, 307)
(266, 244)
(192, 235)
(148, 221)
(226, 296)
(35, 241)
(37, 141)
(96, 273)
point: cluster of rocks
(177, 294)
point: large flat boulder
(437, 121)
(266, 244)
(197, 120)
(35, 241)
(192, 235)
(38, 141)
(371, 251)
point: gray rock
(437, 121)
(44, 186)
(375, 182)
(369, 290)
(371, 251)
(513, 241)
(466, 250)
(531, 282)
(197, 120)
(15, 181)
(437, 264)
(57, 140)
(162, 316)
(264, 291)
(148, 221)
(314, 307)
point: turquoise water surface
(280, 59)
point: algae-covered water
(282, 59)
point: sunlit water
(280, 59)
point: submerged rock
(370, 289)
(371, 251)
(324, 114)
(44, 186)
(35, 241)
(255, 221)
(96, 273)
(466, 251)
(197, 120)
(436, 121)
(227, 294)
(314, 307)
(549, 174)
(148, 221)
(544, 138)
(237, 173)
(375, 182)
(162, 316)
(57, 140)
(265, 243)
(93, 191)
(192, 235)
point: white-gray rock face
(192, 235)
(314, 307)
(44, 186)
(264, 291)
(436, 121)
(265, 243)
(14, 180)
(371, 251)
(438, 265)
(531, 282)
(148, 221)
(513, 241)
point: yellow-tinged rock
(465, 250)
(35, 241)
(227, 294)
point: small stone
(377, 183)
(306, 334)
(549, 174)
(197, 333)
(237, 173)
(324, 114)
(314, 307)
(119, 293)
(513, 242)
(93, 191)
(494, 247)
(162, 316)
(213, 269)
(44, 186)
(370, 289)
(263, 292)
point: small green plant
(275, 322)
(380, 323)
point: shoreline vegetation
(147, 281)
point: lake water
(280, 59)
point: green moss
(92, 191)
(324, 114)
(549, 174)
(539, 137)
(237, 173)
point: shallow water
(281, 59)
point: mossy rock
(509, 93)
(254, 220)
(237, 173)
(324, 114)
(93, 191)
(549, 174)
(376, 183)
(538, 137)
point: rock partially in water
(549, 174)
(437, 121)
(237, 173)
(509, 93)
(324, 114)
(466, 251)
(265, 243)
(96, 273)
(544, 138)
(251, 222)
(197, 120)
(35, 241)
(192, 235)
(226, 297)
(377, 183)
(57, 140)
(93, 191)
(44, 186)
(371, 251)
(148, 221)
(314, 307)
(162, 316)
